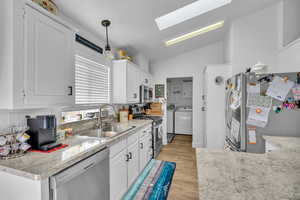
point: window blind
(92, 82)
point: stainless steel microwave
(146, 94)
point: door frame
(193, 105)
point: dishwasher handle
(78, 168)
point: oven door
(157, 139)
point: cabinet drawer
(117, 147)
(143, 133)
(132, 138)
(146, 131)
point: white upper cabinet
(38, 69)
(127, 79)
(126, 82)
(49, 61)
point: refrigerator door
(285, 123)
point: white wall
(142, 61)
(178, 99)
(259, 37)
(214, 121)
(254, 38)
(190, 64)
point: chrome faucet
(99, 124)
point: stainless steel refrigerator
(283, 116)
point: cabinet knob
(142, 145)
(130, 155)
(127, 158)
(70, 90)
(135, 95)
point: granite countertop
(244, 176)
(38, 166)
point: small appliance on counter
(42, 131)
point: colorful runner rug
(154, 182)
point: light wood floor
(184, 185)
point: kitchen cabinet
(145, 145)
(118, 175)
(49, 60)
(143, 153)
(127, 160)
(126, 82)
(37, 69)
(133, 164)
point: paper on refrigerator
(256, 100)
(259, 119)
(296, 92)
(252, 136)
(279, 88)
(253, 88)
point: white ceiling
(134, 28)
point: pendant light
(106, 23)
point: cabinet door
(143, 145)
(49, 61)
(133, 164)
(149, 147)
(118, 175)
(132, 83)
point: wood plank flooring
(185, 184)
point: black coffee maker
(42, 131)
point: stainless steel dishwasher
(88, 179)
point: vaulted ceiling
(134, 27)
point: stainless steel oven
(157, 137)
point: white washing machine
(184, 121)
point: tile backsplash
(17, 117)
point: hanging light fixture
(106, 23)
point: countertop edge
(75, 159)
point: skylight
(188, 12)
(195, 33)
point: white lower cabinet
(144, 148)
(118, 175)
(128, 158)
(133, 163)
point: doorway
(179, 107)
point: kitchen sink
(108, 131)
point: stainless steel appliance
(42, 131)
(285, 123)
(88, 179)
(157, 132)
(146, 94)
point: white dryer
(184, 121)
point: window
(92, 82)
